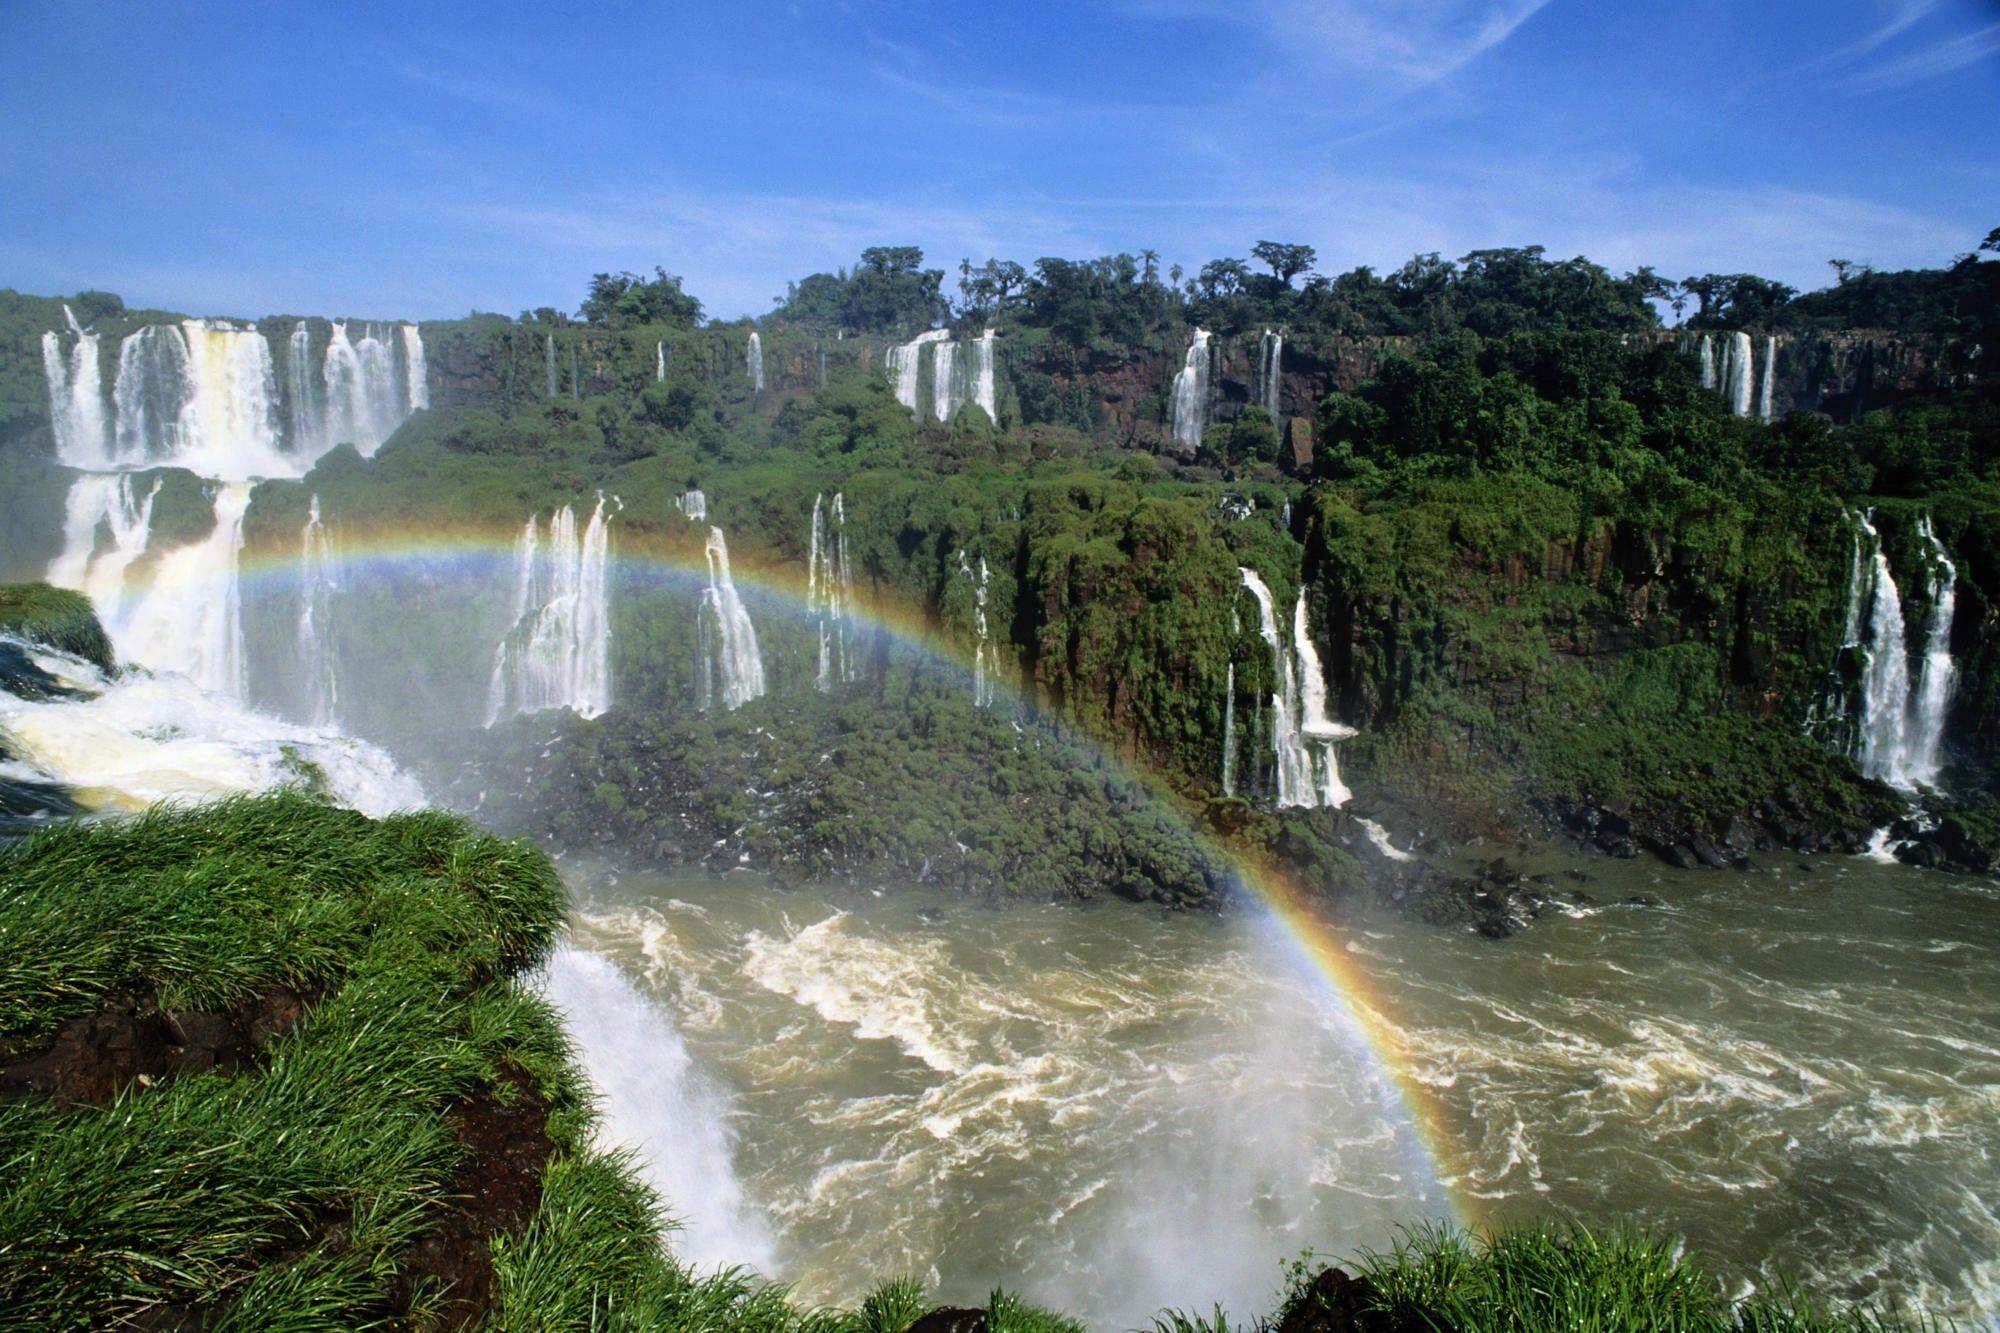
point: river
(1115, 1109)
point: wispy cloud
(1934, 61)
(1407, 42)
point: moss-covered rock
(56, 617)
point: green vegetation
(56, 617)
(1558, 1278)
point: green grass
(287, 1195)
(1562, 1279)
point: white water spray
(655, 1102)
(556, 652)
(1190, 393)
(1270, 369)
(732, 669)
(830, 590)
(317, 586)
(983, 377)
(754, 362)
(189, 616)
(1768, 392)
(906, 365)
(76, 397)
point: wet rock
(1334, 1303)
(950, 1319)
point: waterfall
(148, 394)
(1768, 390)
(982, 379)
(754, 362)
(693, 505)
(730, 648)
(1901, 737)
(906, 364)
(76, 397)
(1314, 724)
(106, 502)
(944, 378)
(830, 590)
(416, 373)
(1885, 677)
(1709, 379)
(983, 660)
(316, 590)
(659, 361)
(1295, 770)
(1191, 392)
(304, 420)
(229, 423)
(1739, 373)
(1270, 359)
(655, 1102)
(1229, 734)
(549, 354)
(189, 616)
(1934, 683)
(363, 398)
(556, 652)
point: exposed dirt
(93, 1058)
(496, 1193)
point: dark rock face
(1337, 1303)
(950, 1319)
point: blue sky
(409, 160)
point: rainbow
(1316, 943)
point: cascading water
(1901, 736)
(983, 661)
(125, 742)
(1933, 698)
(305, 417)
(189, 617)
(106, 502)
(549, 355)
(1737, 374)
(1314, 724)
(1709, 379)
(76, 397)
(1270, 363)
(906, 364)
(1294, 763)
(148, 395)
(416, 373)
(693, 506)
(729, 657)
(983, 377)
(754, 362)
(944, 378)
(830, 590)
(317, 586)
(1885, 676)
(364, 402)
(1190, 395)
(229, 421)
(659, 361)
(1768, 390)
(1229, 733)
(556, 652)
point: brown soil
(130, 1040)
(496, 1193)
(448, 1271)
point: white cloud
(1406, 42)
(1933, 61)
